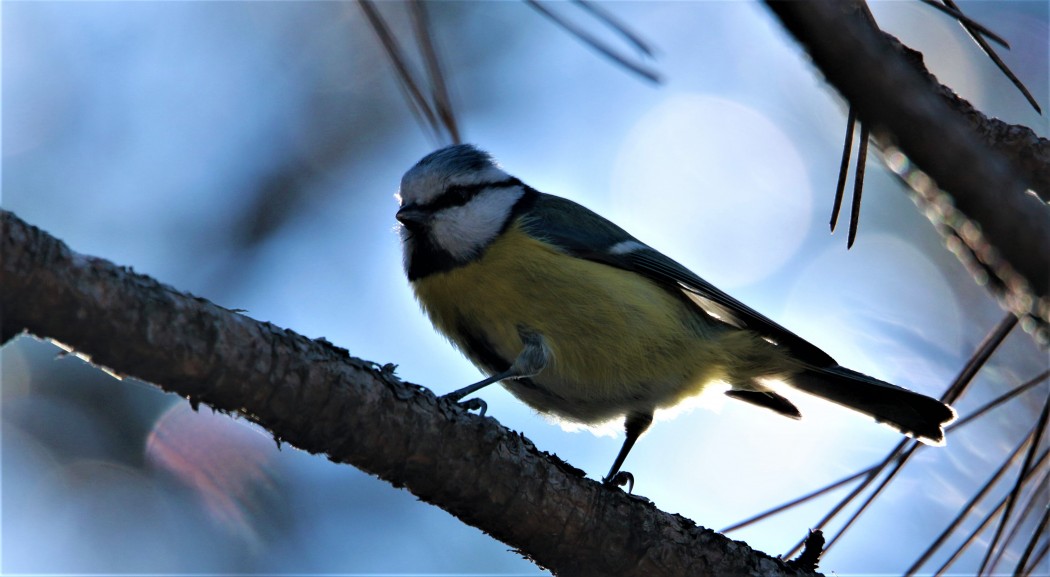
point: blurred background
(249, 153)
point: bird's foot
(474, 404)
(620, 479)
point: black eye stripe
(460, 194)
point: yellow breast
(618, 340)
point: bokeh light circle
(717, 185)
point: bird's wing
(585, 234)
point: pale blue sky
(143, 132)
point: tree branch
(960, 149)
(318, 398)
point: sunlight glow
(711, 182)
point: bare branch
(317, 397)
(907, 108)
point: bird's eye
(460, 194)
(452, 196)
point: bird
(584, 322)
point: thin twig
(988, 519)
(950, 9)
(1012, 497)
(1032, 505)
(980, 356)
(905, 105)
(897, 466)
(894, 456)
(406, 79)
(617, 26)
(798, 501)
(846, 480)
(1039, 531)
(847, 149)
(977, 32)
(998, 401)
(965, 510)
(595, 43)
(858, 184)
(965, 421)
(909, 451)
(439, 93)
(988, 346)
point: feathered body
(522, 280)
(626, 330)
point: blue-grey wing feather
(584, 234)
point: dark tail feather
(913, 414)
(766, 400)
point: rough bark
(317, 397)
(984, 166)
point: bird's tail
(913, 414)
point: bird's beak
(412, 217)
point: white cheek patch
(464, 230)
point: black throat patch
(427, 257)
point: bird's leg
(634, 425)
(534, 357)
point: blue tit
(582, 321)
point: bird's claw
(474, 404)
(620, 479)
